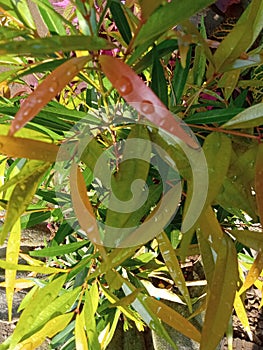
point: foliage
(91, 78)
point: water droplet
(39, 100)
(155, 219)
(53, 86)
(22, 187)
(25, 113)
(147, 107)
(90, 229)
(124, 85)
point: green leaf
(249, 238)
(23, 13)
(214, 116)
(59, 250)
(171, 261)
(159, 51)
(166, 17)
(58, 306)
(217, 148)
(149, 6)
(259, 181)
(180, 77)
(42, 298)
(249, 118)
(221, 295)
(89, 310)
(148, 313)
(241, 37)
(20, 198)
(158, 83)
(130, 169)
(49, 45)
(120, 20)
(228, 82)
(53, 19)
(50, 329)
(199, 65)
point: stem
(218, 129)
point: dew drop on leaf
(147, 107)
(124, 85)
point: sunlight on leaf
(12, 254)
(20, 198)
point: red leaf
(131, 87)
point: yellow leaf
(50, 329)
(20, 283)
(253, 273)
(19, 147)
(80, 334)
(242, 314)
(12, 254)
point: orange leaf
(259, 181)
(131, 87)
(48, 89)
(81, 204)
(20, 147)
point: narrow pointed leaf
(159, 83)
(131, 87)
(253, 273)
(41, 300)
(221, 295)
(50, 329)
(249, 118)
(48, 89)
(166, 17)
(82, 205)
(39, 269)
(12, 254)
(59, 250)
(217, 149)
(251, 239)
(241, 37)
(173, 318)
(173, 266)
(20, 198)
(60, 305)
(81, 340)
(242, 313)
(150, 317)
(120, 20)
(18, 147)
(49, 45)
(259, 181)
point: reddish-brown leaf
(131, 87)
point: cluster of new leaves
(62, 63)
